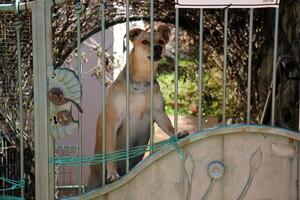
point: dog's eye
(145, 42)
(161, 42)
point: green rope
(179, 151)
(11, 198)
(116, 155)
(14, 184)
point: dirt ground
(187, 123)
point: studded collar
(142, 86)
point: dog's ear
(134, 33)
(164, 31)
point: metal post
(103, 90)
(18, 25)
(127, 87)
(49, 63)
(225, 66)
(176, 70)
(78, 8)
(249, 66)
(42, 61)
(274, 65)
(10, 7)
(151, 73)
(200, 70)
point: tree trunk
(287, 98)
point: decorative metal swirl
(255, 161)
(65, 91)
(189, 169)
(216, 171)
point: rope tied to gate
(174, 142)
(116, 155)
(11, 198)
(14, 184)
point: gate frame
(42, 68)
(42, 71)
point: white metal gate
(43, 73)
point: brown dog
(139, 59)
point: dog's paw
(182, 134)
(112, 177)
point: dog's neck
(140, 68)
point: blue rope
(116, 155)
(14, 184)
(174, 141)
(11, 198)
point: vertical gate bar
(225, 67)
(18, 25)
(49, 65)
(127, 87)
(200, 70)
(42, 61)
(274, 65)
(249, 66)
(103, 90)
(79, 73)
(5, 171)
(298, 157)
(176, 70)
(151, 72)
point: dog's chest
(139, 106)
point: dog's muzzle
(157, 53)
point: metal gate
(52, 116)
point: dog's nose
(158, 49)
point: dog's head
(141, 41)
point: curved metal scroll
(216, 171)
(255, 162)
(189, 169)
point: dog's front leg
(111, 146)
(164, 122)
(114, 118)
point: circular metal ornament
(216, 169)
(56, 97)
(64, 117)
(64, 90)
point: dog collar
(141, 86)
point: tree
(64, 39)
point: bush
(188, 90)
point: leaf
(256, 159)
(189, 166)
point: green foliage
(188, 90)
(212, 92)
